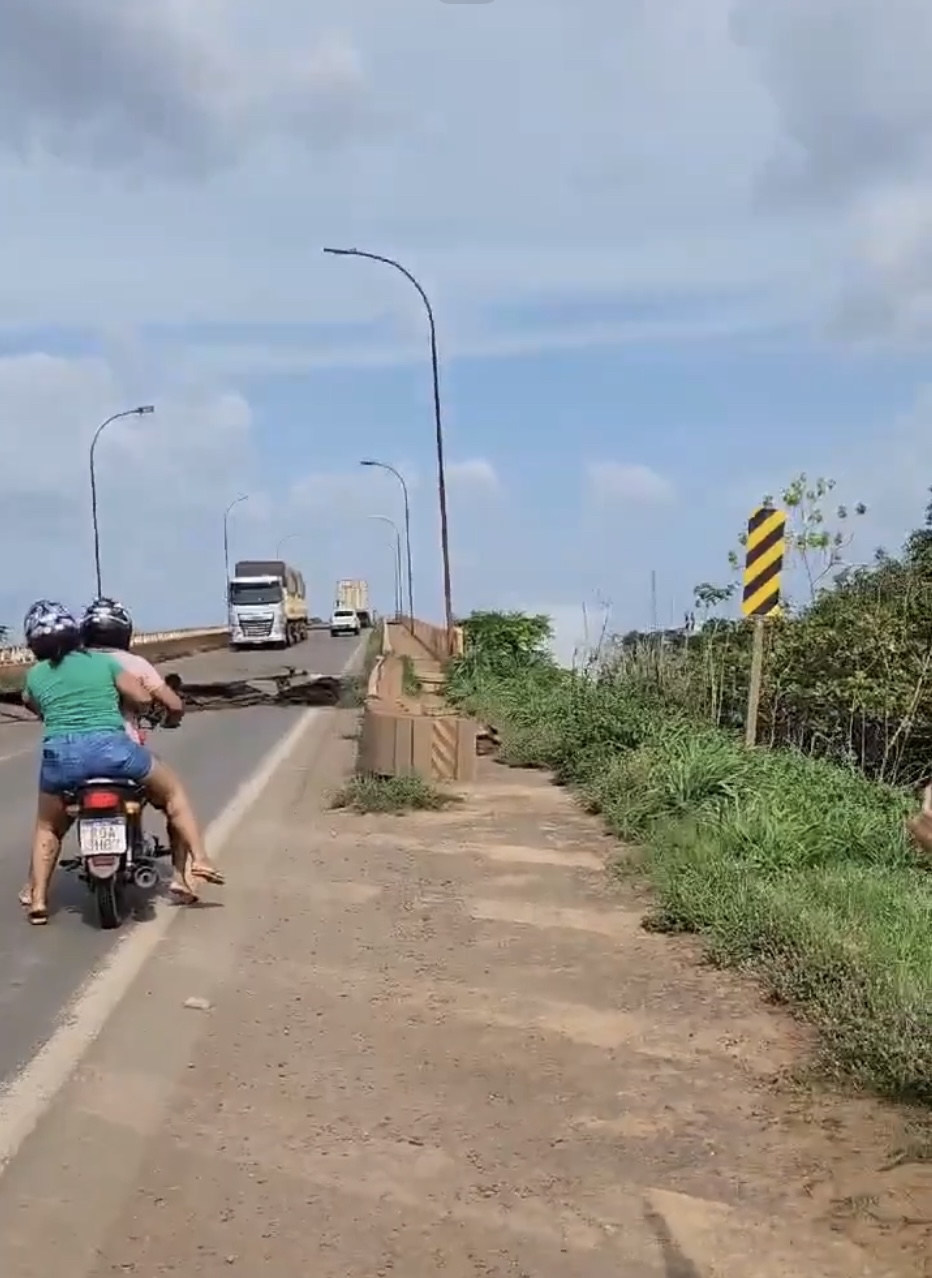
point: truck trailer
(354, 596)
(267, 604)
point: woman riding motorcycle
(108, 627)
(77, 694)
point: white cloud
(163, 483)
(611, 481)
(158, 84)
(483, 144)
(849, 80)
(774, 126)
(475, 473)
(613, 173)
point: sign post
(763, 569)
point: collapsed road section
(287, 687)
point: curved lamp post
(282, 540)
(404, 488)
(141, 411)
(384, 519)
(438, 424)
(226, 543)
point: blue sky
(677, 254)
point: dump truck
(267, 604)
(354, 595)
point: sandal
(182, 895)
(208, 874)
(37, 917)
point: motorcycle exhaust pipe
(145, 877)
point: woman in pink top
(108, 626)
(150, 679)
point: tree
(917, 552)
(708, 596)
(816, 537)
(507, 638)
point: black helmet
(51, 631)
(107, 624)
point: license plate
(106, 837)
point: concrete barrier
(436, 640)
(402, 735)
(435, 747)
(19, 655)
(375, 674)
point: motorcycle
(114, 852)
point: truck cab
(257, 612)
(267, 604)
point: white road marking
(28, 1096)
(17, 754)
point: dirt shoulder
(443, 1044)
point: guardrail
(21, 656)
(398, 738)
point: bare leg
(183, 885)
(51, 826)
(169, 794)
(25, 894)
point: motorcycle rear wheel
(108, 894)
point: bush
(367, 793)
(793, 865)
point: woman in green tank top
(77, 695)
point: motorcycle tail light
(100, 800)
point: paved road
(437, 1046)
(40, 970)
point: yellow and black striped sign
(763, 566)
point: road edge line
(33, 1089)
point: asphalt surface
(41, 969)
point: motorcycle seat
(131, 789)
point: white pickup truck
(345, 621)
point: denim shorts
(75, 757)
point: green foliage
(815, 538)
(847, 676)
(411, 685)
(499, 643)
(794, 865)
(354, 687)
(507, 638)
(366, 793)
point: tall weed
(789, 864)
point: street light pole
(404, 488)
(282, 540)
(399, 598)
(226, 541)
(141, 411)
(438, 424)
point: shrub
(791, 864)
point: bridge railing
(19, 655)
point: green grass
(793, 868)
(411, 685)
(355, 687)
(391, 794)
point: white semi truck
(267, 604)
